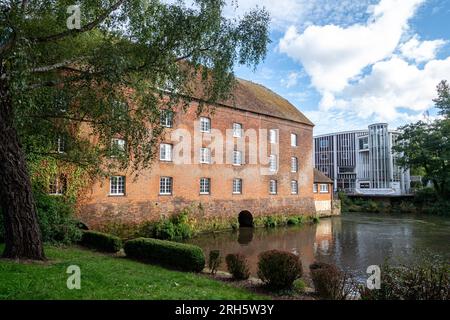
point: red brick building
(222, 178)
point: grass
(106, 277)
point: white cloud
(392, 84)
(420, 51)
(333, 55)
(291, 80)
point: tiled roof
(253, 97)
(320, 177)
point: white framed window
(166, 118)
(293, 140)
(117, 185)
(323, 188)
(165, 185)
(117, 146)
(273, 186)
(315, 187)
(237, 157)
(273, 162)
(205, 185)
(294, 164)
(237, 186)
(165, 152)
(323, 156)
(323, 144)
(205, 155)
(205, 124)
(237, 130)
(60, 145)
(57, 185)
(294, 187)
(273, 135)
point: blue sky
(346, 64)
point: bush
(425, 196)
(180, 256)
(55, 217)
(101, 241)
(176, 228)
(237, 266)
(331, 283)
(214, 260)
(371, 206)
(299, 286)
(279, 269)
(292, 221)
(164, 229)
(269, 222)
(425, 280)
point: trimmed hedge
(279, 269)
(237, 265)
(101, 241)
(181, 256)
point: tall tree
(107, 72)
(426, 144)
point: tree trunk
(22, 234)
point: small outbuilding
(323, 194)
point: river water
(351, 241)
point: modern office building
(362, 161)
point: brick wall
(142, 201)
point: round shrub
(279, 269)
(330, 282)
(185, 257)
(237, 266)
(101, 241)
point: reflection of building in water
(324, 236)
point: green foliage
(101, 241)
(56, 220)
(330, 283)
(177, 227)
(214, 261)
(425, 196)
(279, 269)
(299, 286)
(181, 256)
(237, 265)
(270, 222)
(426, 145)
(295, 220)
(427, 279)
(371, 206)
(2, 228)
(53, 73)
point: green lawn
(106, 277)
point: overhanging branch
(91, 25)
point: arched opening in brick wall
(245, 219)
